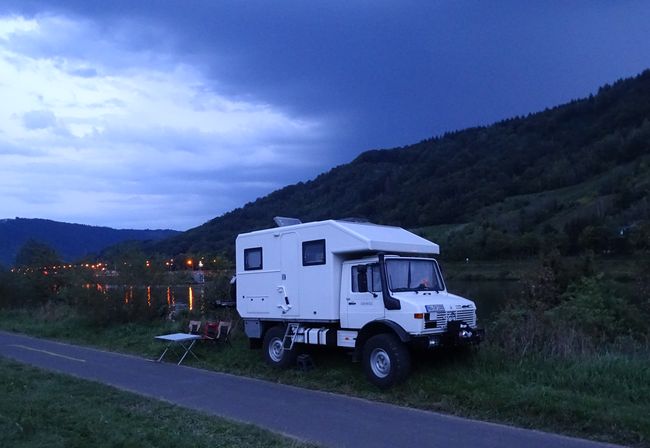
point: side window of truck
(313, 252)
(376, 278)
(366, 278)
(359, 278)
(253, 259)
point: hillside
(576, 175)
(71, 241)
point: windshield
(413, 275)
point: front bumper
(458, 334)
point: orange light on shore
(189, 262)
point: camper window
(253, 259)
(313, 252)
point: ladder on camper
(290, 335)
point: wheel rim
(276, 350)
(380, 363)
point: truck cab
(416, 284)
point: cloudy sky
(167, 113)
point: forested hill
(70, 241)
(553, 175)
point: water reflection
(128, 295)
(154, 297)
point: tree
(34, 254)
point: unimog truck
(372, 289)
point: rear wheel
(386, 360)
(274, 353)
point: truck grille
(468, 316)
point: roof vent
(282, 221)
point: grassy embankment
(40, 409)
(603, 397)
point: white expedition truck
(369, 288)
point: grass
(40, 409)
(604, 397)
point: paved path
(325, 418)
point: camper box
(294, 272)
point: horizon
(81, 224)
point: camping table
(185, 340)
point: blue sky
(165, 114)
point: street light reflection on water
(193, 296)
(155, 296)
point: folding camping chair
(223, 335)
(194, 327)
(210, 331)
(218, 332)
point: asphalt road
(324, 418)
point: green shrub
(595, 308)
(590, 316)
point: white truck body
(341, 283)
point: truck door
(288, 289)
(363, 300)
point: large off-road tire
(274, 353)
(386, 360)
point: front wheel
(386, 360)
(274, 353)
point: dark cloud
(398, 71)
